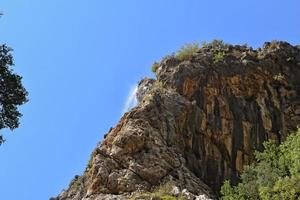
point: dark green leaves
(275, 176)
(12, 92)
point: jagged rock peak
(198, 124)
(144, 86)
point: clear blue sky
(79, 60)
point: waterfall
(131, 100)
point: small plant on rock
(162, 193)
(154, 67)
(218, 57)
(217, 44)
(187, 51)
(204, 44)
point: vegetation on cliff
(163, 192)
(275, 176)
(187, 51)
(215, 51)
(200, 122)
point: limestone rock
(198, 125)
(144, 86)
(175, 191)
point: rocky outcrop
(197, 124)
(144, 86)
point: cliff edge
(197, 124)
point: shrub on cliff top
(275, 176)
(217, 44)
(187, 51)
(218, 56)
(218, 48)
(154, 67)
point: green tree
(276, 175)
(12, 92)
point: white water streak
(131, 100)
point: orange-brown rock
(198, 124)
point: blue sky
(80, 59)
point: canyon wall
(198, 123)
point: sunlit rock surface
(197, 124)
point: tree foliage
(276, 175)
(12, 92)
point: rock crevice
(197, 124)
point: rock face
(197, 124)
(143, 88)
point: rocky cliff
(197, 124)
